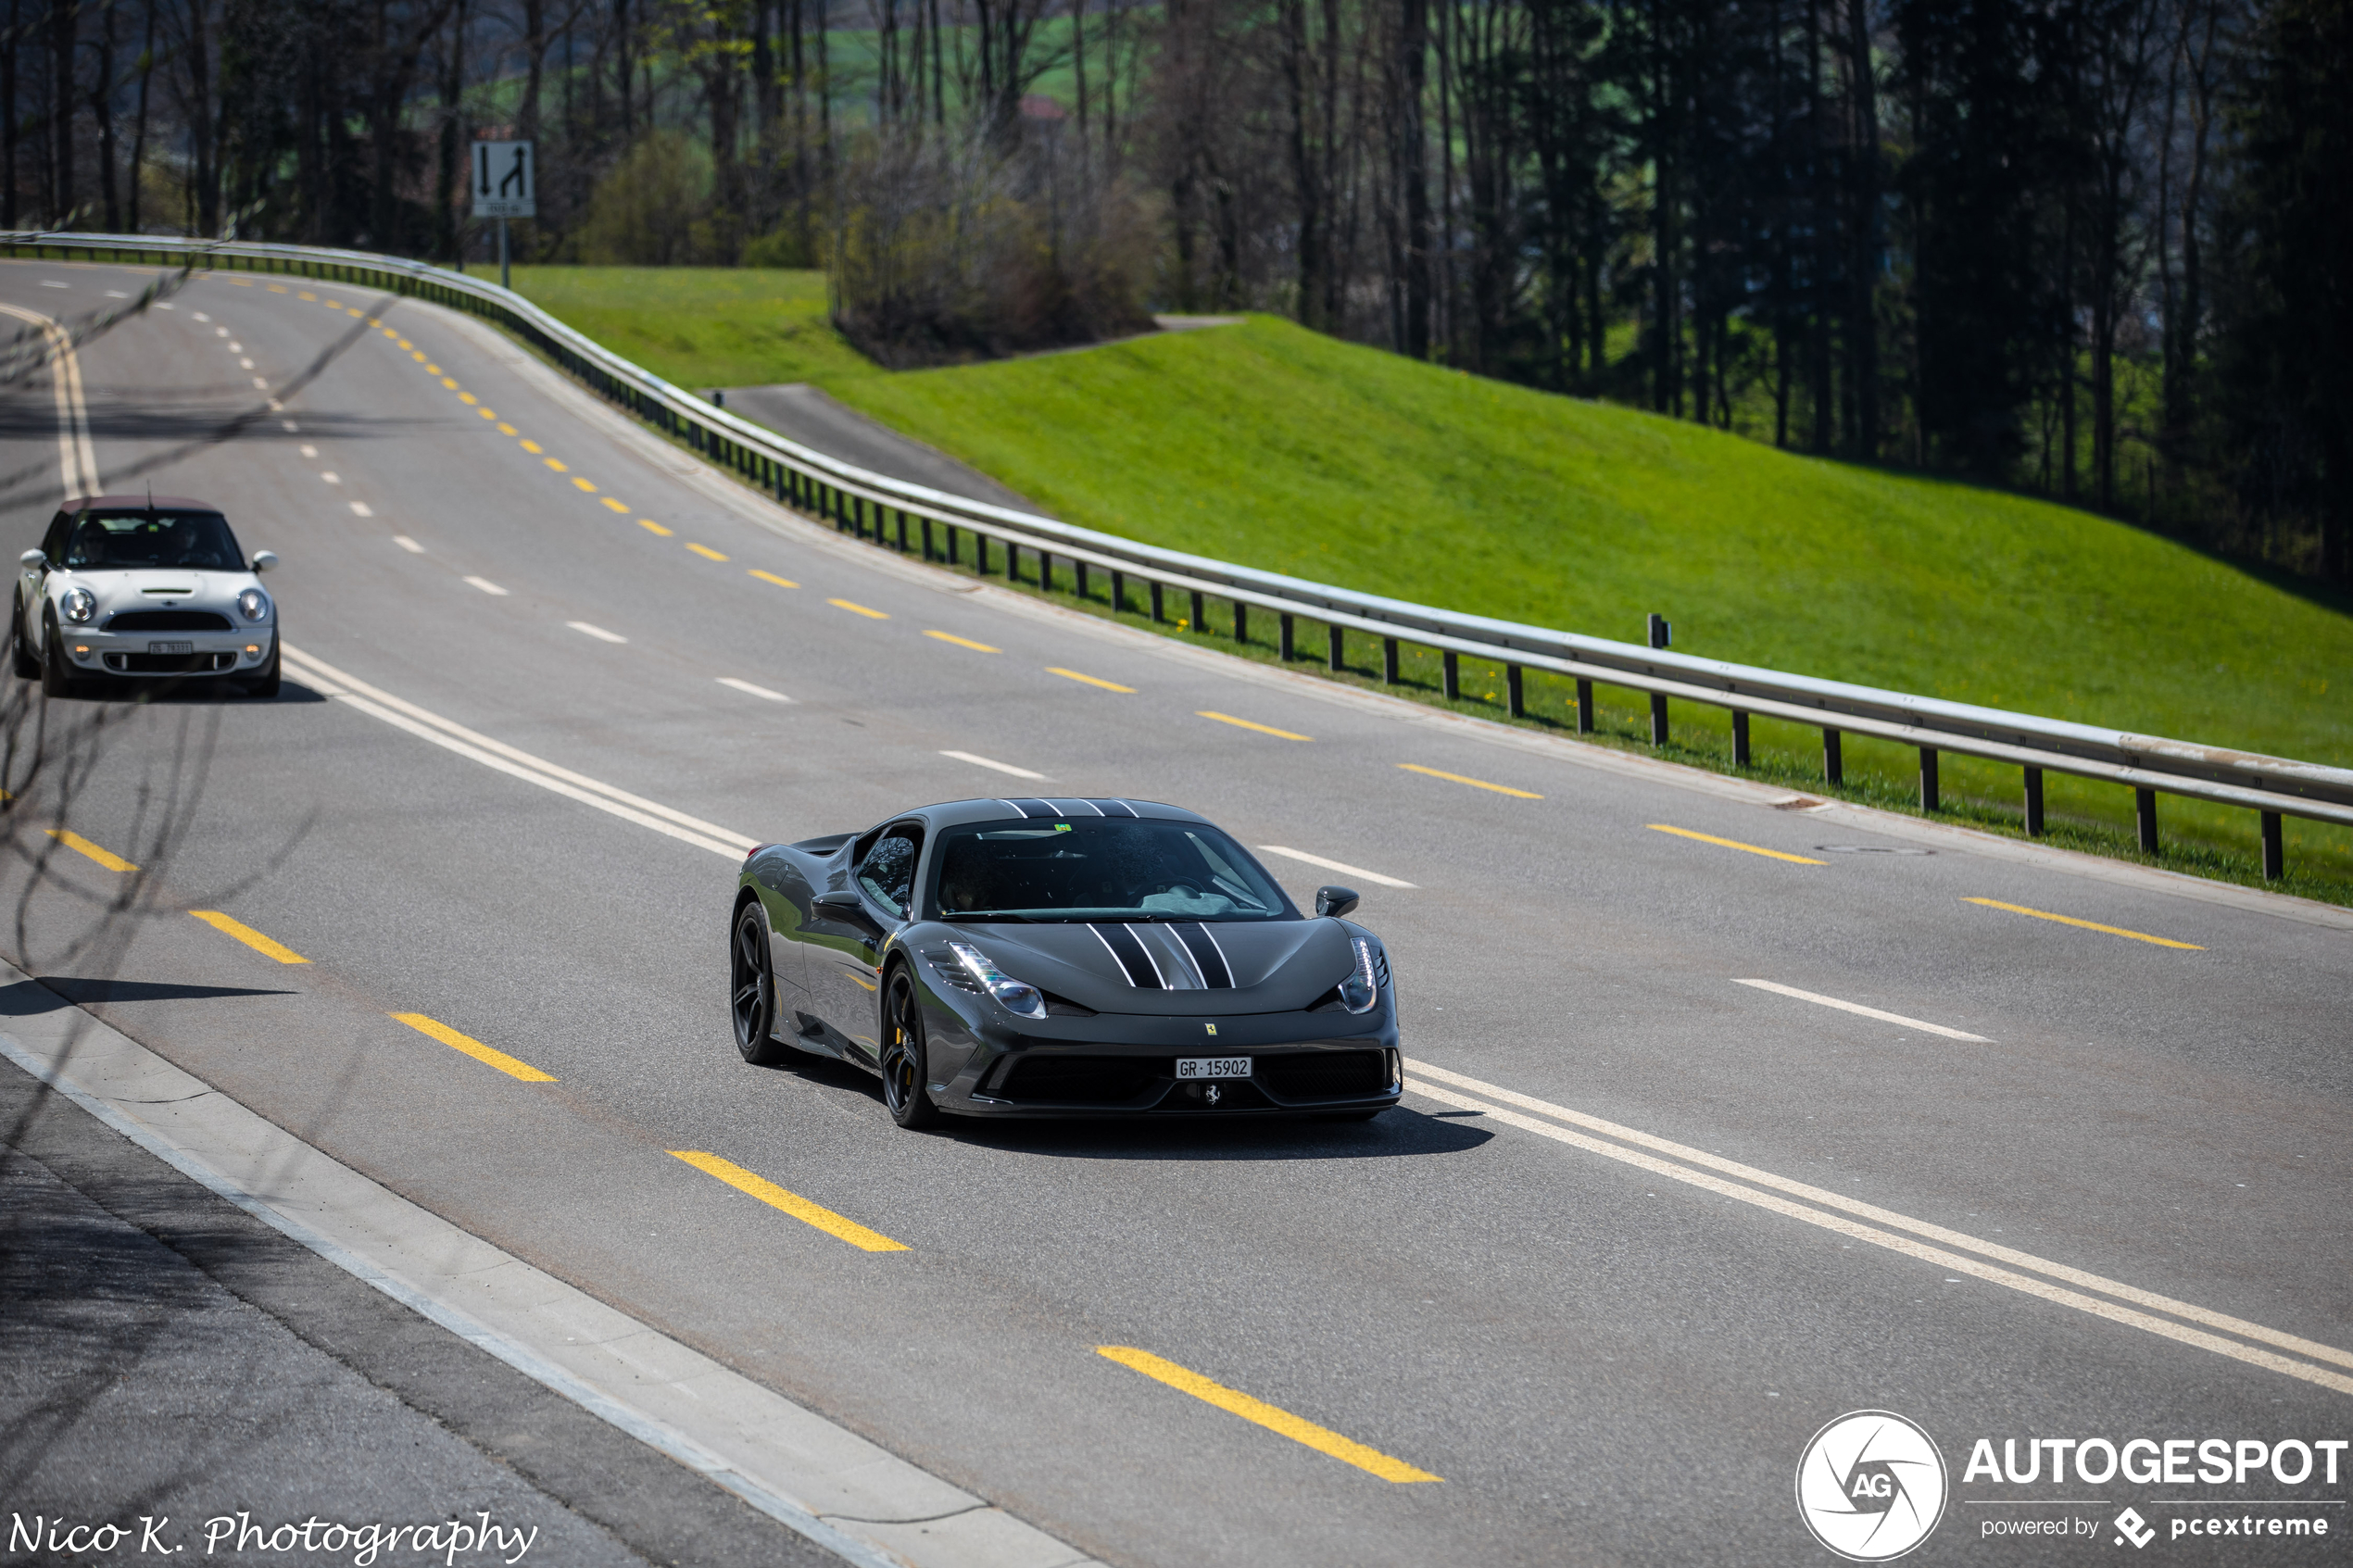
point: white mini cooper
(131, 586)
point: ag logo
(1870, 1485)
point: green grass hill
(1265, 444)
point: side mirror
(1334, 901)
(264, 559)
(842, 906)
(33, 559)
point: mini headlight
(1014, 996)
(1360, 990)
(254, 604)
(79, 603)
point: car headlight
(78, 605)
(254, 604)
(1361, 990)
(1014, 996)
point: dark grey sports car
(1061, 958)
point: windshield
(1101, 869)
(129, 540)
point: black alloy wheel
(27, 667)
(56, 679)
(905, 1065)
(751, 988)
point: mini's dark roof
(139, 503)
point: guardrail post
(903, 531)
(2033, 802)
(951, 544)
(1336, 649)
(1584, 706)
(1155, 588)
(929, 553)
(1118, 593)
(1242, 621)
(1045, 571)
(1389, 661)
(1511, 691)
(1450, 679)
(1740, 739)
(1834, 765)
(1080, 568)
(1285, 640)
(2274, 853)
(1659, 719)
(2145, 811)
(1201, 612)
(1929, 795)
(980, 552)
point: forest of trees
(2097, 249)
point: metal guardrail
(885, 510)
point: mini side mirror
(263, 560)
(32, 559)
(1335, 901)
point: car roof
(138, 503)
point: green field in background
(1279, 448)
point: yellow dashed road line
(2086, 924)
(1232, 1400)
(1247, 724)
(616, 506)
(1736, 843)
(249, 936)
(860, 609)
(963, 642)
(490, 1054)
(1089, 679)
(769, 577)
(706, 552)
(649, 523)
(1474, 784)
(792, 1203)
(105, 857)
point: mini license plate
(171, 647)
(1213, 1067)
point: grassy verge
(1273, 446)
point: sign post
(505, 186)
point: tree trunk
(1413, 47)
(62, 43)
(1862, 328)
(138, 127)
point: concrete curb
(835, 1488)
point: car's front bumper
(149, 655)
(1116, 1065)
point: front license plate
(171, 647)
(1213, 1067)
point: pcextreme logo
(1870, 1485)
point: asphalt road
(1602, 1361)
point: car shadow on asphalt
(1176, 1136)
(192, 691)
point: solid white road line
(1424, 1072)
(487, 585)
(407, 544)
(750, 690)
(1861, 1011)
(77, 458)
(1341, 866)
(1001, 767)
(404, 715)
(596, 631)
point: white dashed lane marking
(1001, 767)
(407, 544)
(596, 631)
(750, 690)
(487, 585)
(1861, 1011)
(1342, 867)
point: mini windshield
(129, 540)
(1100, 868)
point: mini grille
(168, 620)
